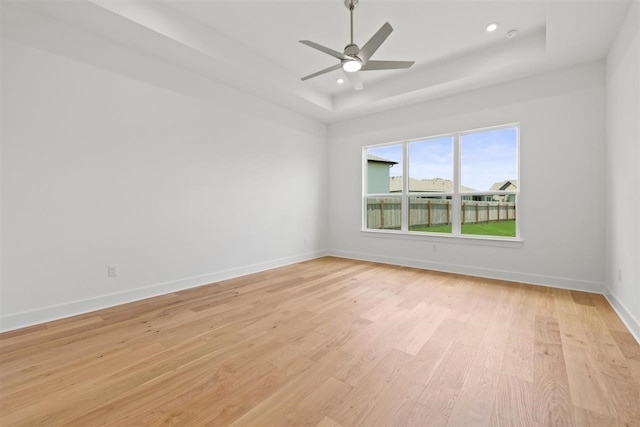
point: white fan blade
(386, 65)
(326, 70)
(324, 49)
(374, 42)
(355, 80)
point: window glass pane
(431, 165)
(489, 160)
(383, 213)
(430, 214)
(384, 169)
(489, 215)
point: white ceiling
(253, 45)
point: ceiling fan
(358, 59)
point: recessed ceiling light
(492, 27)
(339, 80)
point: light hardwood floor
(331, 342)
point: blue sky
(431, 158)
(487, 157)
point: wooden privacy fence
(385, 213)
(429, 212)
(474, 212)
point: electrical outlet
(619, 275)
(112, 270)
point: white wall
(623, 176)
(561, 208)
(177, 186)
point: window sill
(507, 242)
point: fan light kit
(351, 66)
(355, 59)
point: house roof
(510, 184)
(372, 158)
(433, 185)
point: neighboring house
(433, 185)
(378, 174)
(509, 185)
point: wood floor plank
(275, 407)
(512, 404)
(585, 418)
(582, 298)
(587, 387)
(309, 409)
(518, 358)
(551, 397)
(153, 406)
(422, 366)
(328, 422)
(476, 399)
(423, 329)
(393, 405)
(607, 314)
(368, 356)
(330, 342)
(232, 403)
(441, 393)
(365, 396)
(628, 346)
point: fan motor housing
(351, 49)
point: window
(461, 184)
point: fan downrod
(351, 4)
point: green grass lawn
(501, 228)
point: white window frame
(456, 195)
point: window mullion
(405, 187)
(456, 202)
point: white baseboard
(56, 312)
(624, 314)
(532, 279)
